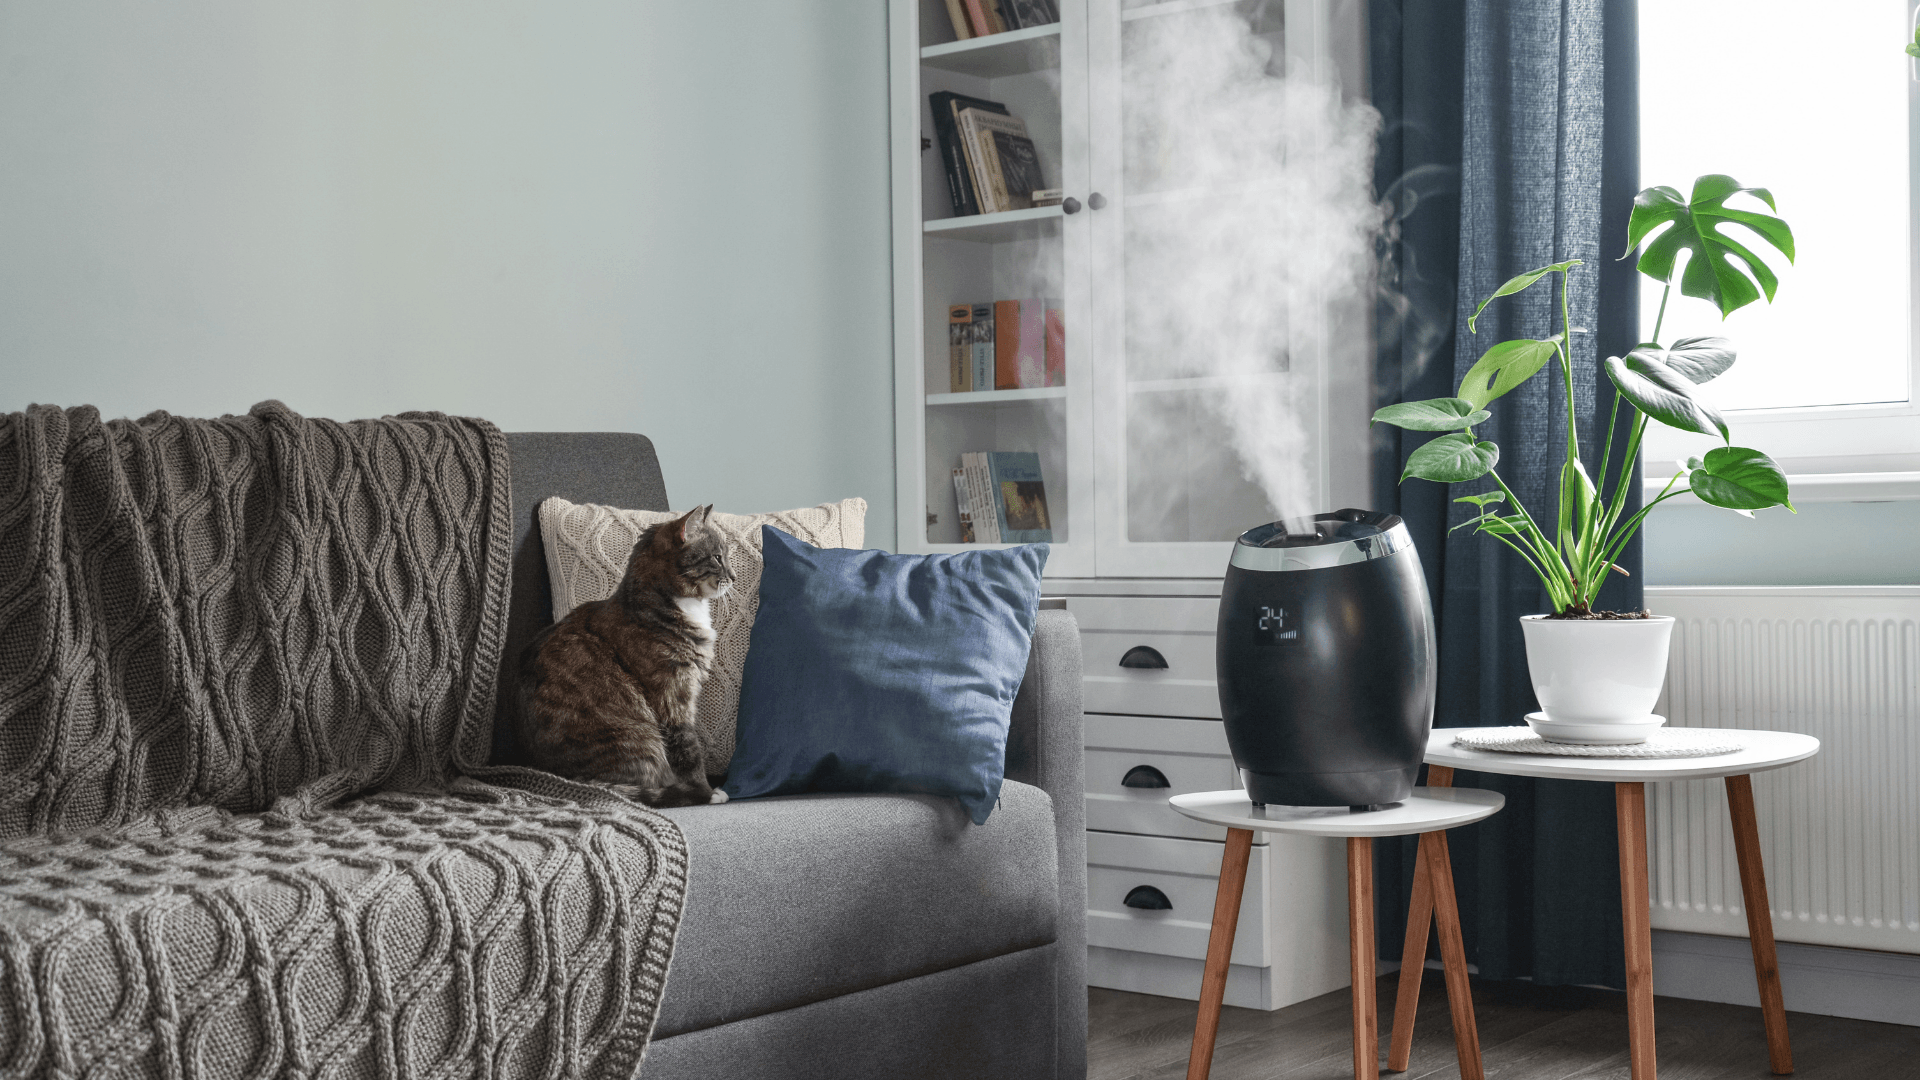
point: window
(1814, 103)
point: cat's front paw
(718, 797)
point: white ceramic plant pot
(1597, 671)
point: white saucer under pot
(1586, 733)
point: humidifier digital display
(1270, 627)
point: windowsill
(1818, 487)
(1858, 441)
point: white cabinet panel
(1115, 808)
(1191, 754)
(1179, 629)
(1167, 614)
(1187, 872)
(1157, 734)
(1142, 488)
(1292, 914)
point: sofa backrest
(607, 467)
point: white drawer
(1191, 754)
(1188, 656)
(1187, 872)
(1187, 614)
(1157, 734)
(1180, 629)
(1185, 687)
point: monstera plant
(1574, 551)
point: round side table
(1428, 812)
(1763, 750)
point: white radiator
(1840, 833)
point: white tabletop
(1764, 750)
(1428, 810)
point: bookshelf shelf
(1016, 52)
(999, 397)
(997, 228)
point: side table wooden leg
(1413, 957)
(1753, 890)
(1453, 954)
(1366, 1029)
(1636, 920)
(1213, 980)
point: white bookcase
(1144, 492)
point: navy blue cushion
(877, 672)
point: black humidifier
(1325, 660)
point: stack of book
(1006, 345)
(978, 18)
(991, 164)
(1002, 499)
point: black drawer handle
(1144, 776)
(1143, 656)
(1148, 898)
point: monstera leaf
(1700, 359)
(1519, 283)
(1452, 459)
(1738, 479)
(1502, 368)
(1694, 226)
(1662, 393)
(1435, 414)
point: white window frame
(1833, 452)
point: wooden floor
(1526, 1033)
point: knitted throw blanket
(246, 684)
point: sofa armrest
(1045, 749)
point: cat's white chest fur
(699, 612)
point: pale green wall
(667, 216)
(1826, 543)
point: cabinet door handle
(1148, 898)
(1069, 205)
(1143, 656)
(1144, 776)
(1096, 200)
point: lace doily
(1661, 743)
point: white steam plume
(1250, 222)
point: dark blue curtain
(1510, 141)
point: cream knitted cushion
(587, 548)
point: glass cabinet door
(1210, 403)
(997, 282)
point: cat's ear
(685, 525)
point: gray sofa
(841, 936)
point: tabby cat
(608, 692)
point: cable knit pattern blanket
(246, 682)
